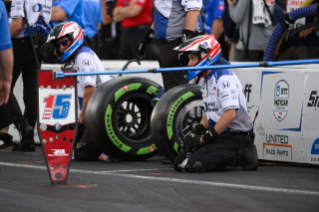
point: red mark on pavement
(162, 173)
(77, 186)
(31, 162)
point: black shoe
(26, 136)
(5, 140)
(249, 158)
(16, 147)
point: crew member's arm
(304, 34)
(15, 26)
(6, 57)
(238, 12)
(217, 28)
(58, 14)
(88, 91)
(191, 20)
(107, 19)
(130, 11)
(225, 120)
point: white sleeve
(86, 64)
(228, 93)
(191, 5)
(17, 9)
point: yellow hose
(305, 4)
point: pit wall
(286, 98)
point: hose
(279, 31)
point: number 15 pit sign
(57, 120)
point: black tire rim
(132, 118)
(188, 117)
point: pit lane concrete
(152, 186)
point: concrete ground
(152, 186)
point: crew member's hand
(198, 130)
(304, 33)
(141, 48)
(198, 141)
(82, 117)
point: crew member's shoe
(26, 137)
(249, 158)
(5, 140)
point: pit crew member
(222, 139)
(68, 39)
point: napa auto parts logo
(281, 97)
(58, 153)
(57, 106)
(315, 151)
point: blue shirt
(5, 38)
(73, 9)
(91, 16)
(215, 9)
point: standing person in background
(214, 24)
(302, 45)
(253, 37)
(231, 32)
(174, 23)
(38, 14)
(136, 17)
(92, 18)
(67, 11)
(6, 66)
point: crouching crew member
(222, 139)
(68, 40)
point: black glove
(198, 141)
(187, 34)
(202, 140)
(198, 130)
(141, 48)
(182, 57)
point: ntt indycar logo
(281, 97)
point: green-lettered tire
(118, 115)
(174, 116)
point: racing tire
(118, 117)
(174, 116)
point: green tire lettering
(153, 90)
(146, 150)
(171, 114)
(131, 87)
(176, 147)
(110, 131)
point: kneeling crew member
(222, 138)
(68, 39)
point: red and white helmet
(75, 33)
(206, 47)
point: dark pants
(299, 53)
(221, 153)
(168, 58)
(25, 63)
(251, 55)
(129, 40)
(4, 117)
